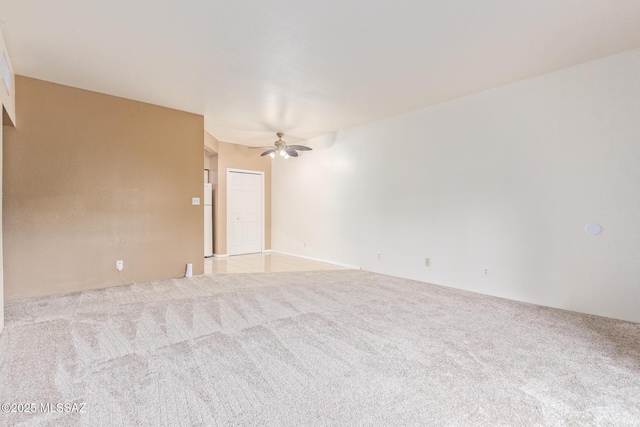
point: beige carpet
(314, 348)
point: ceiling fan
(286, 151)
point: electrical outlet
(427, 262)
(119, 265)
(195, 201)
(485, 272)
(379, 255)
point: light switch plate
(195, 201)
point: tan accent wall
(211, 157)
(91, 178)
(237, 156)
(210, 143)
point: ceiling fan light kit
(286, 151)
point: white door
(244, 213)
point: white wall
(505, 180)
(1, 253)
(7, 105)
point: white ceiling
(306, 67)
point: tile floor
(263, 263)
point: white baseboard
(355, 267)
(267, 251)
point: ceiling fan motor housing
(283, 149)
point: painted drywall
(504, 180)
(211, 156)
(7, 118)
(7, 97)
(1, 253)
(211, 165)
(91, 178)
(237, 156)
(210, 143)
(213, 169)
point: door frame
(251, 172)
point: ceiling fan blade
(290, 151)
(300, 147)
(268, 152)
(260, 147)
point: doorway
(245, 211)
